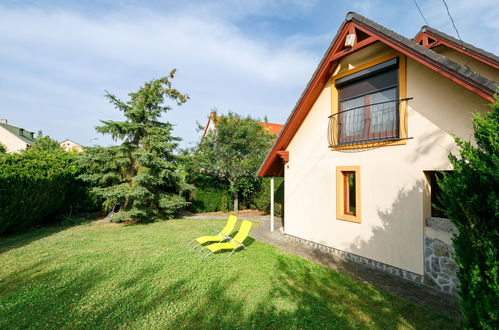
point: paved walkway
(416, 293)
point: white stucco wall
(69, 145)
(392, 177)
(12, 142)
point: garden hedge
(35, 186)
(210, 199)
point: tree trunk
(236, 202)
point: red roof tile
(274, 129)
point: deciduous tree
(233, 151)
(44, 143)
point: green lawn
(141, 276)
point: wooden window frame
(366, 128)
(341, 203)
(402, 107)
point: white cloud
(58, 63)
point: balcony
(364, 124)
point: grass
(142, 276)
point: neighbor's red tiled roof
(274, 129)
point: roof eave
(422, 56)
(459, 45)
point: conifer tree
(140, 174)
(470, 198)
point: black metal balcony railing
(367, 123)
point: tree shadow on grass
(306, 296)
(42, 299)
(326, 298)
(303, 295)
(213, 295)
(16, 240)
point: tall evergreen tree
(140, 174)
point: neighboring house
(70, 145)
(360, 150)
(15, 138)
(273, 129)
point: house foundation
(439, 270)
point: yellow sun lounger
(220, 237)
(235, 243)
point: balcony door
(368, 104)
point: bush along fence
(211, 196)
(37, 185)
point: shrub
(469, 195)
(210, 200)
(35, 185)
(261, 198)
(233, 151)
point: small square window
(348, 193)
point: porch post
(272, 204)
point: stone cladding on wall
(440, 269)
(405, 274)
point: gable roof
(372, 32)
(69, 141)
(14, 130)
(430, 37)
(272, 128)
(454, 71)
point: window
(368, 107)
(433, 191)
(367, 104)
(348, 205)
(349, 192)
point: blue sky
(251, 57)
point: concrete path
(411, 291)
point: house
(360, 150)
(15, 138)
(273, 129)
(70, 145)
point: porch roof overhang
(273, 164)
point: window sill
(349, 218)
